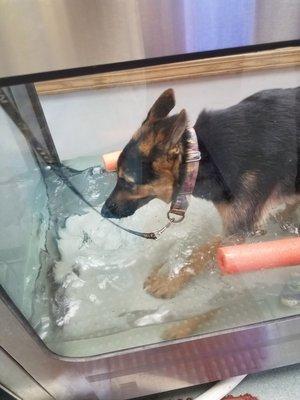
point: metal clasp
(157, 234)
(174, 220)
(193, 156)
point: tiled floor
(278, 384)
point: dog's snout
(120, 210)
(109, 211)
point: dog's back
(259, 137)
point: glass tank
(139, 208)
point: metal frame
(11, 99)
(154, 368)
(44, 128)
(18, 383)
(9, 392)
(148, 369)
(281, 58)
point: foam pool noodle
(110, 160)
(255, 256)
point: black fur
(261, 134)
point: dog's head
(148, 166)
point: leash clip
(173, 220)
(157, 234)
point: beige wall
(92, 122)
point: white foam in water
(102, 268)
(100, 278)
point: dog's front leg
(239, 220)
(167, 285)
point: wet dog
(250, 162)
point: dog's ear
(161, 107)
(177, 130)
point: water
(89, 295)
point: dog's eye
(127, 185)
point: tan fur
(146, 144)
(136, 136)
(274, 201)
(249, 180)
(147, 139)
(188, 326)
(128, 178)
(226, 212)
(231, 213)
(270, 205)
(121, 173)
(287, 215)
(166, 286)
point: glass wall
(23, 216)
(90, 287)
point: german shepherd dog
(250, 162)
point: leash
(147, 235)
(178, 207)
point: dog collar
(192, 156)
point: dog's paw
(163, 286)
(188, 326)
(179, 330)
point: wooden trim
(263, 60)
